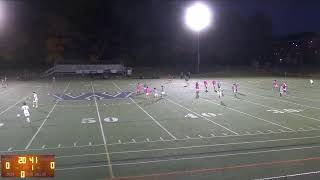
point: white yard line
(5, 91)
(156, 141)
(201, 116)
(196, 157)
(191, 147)
(315, 100)
(44, 121)
(103, 135)
(81, 167)
(315, 119)
(169, 133)
(278, 99)
(276, 108)
(289, 175)
(19, 101)
(298, 97)
(250, 115)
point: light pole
(197, 18)
(198, 52)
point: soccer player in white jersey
(155, 93)
(162, 91)
(26, 112)
(5, 81)
(2, 82)
(311, 82)
(220, 91)
(35, 100)
(197, 89)
(235, 88)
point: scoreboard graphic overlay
(23, 166)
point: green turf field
(256, 134)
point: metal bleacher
(83, 69)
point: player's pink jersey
(205, 82)
(138, 87)
(275, 84)
(213, 82)
(148, 91)
(285, 85)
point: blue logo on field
(91, 96)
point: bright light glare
(198, 16)
(1, 10)
(2, 7)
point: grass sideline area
(103, 132)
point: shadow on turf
(241, 94)
(223, 104)
(42, 111)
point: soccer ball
(18, 115)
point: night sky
(55, 31)
(288, 16)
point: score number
(27, 166)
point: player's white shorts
(35, 101)
(26, 113)
(163, 93)
(147, 94)
(156, 95)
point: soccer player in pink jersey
(214, 85)
(205, 82)
(138, 88)
(285, 88)
(275, 84)
(147, 91)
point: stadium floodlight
(197, 18)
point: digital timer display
(23, 166)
